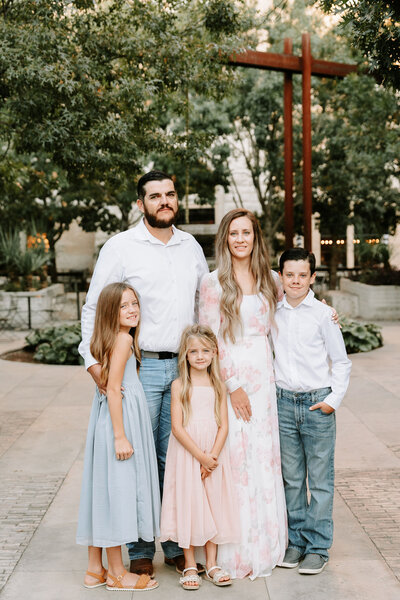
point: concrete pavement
(44, 412)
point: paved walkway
(44, 412)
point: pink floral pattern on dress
(254, 446)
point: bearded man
(165, 266)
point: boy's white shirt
(309, 349)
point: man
(165, 266)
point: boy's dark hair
(297, 254)
(150, 176)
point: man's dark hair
(297, 254)
(150, 176)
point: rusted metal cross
(306, 65)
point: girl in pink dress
(199, 507)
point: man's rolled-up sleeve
(108, 269)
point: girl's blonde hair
(231, 296)
(206, 336)
(106, 326)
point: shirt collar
(142, 233)
(308, 301)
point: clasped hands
(209, 462)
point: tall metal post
(306, 89)
(288, 147)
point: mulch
(20, 355)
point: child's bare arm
(119, 358)
(222, 433)
(182, 435)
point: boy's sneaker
(312, 564)
(291, 559)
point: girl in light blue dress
(120, 499)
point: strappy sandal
(190, 579)
(216, 578)
(140, 586)
(101, 577)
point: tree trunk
(52, 269)
(333, 265)
(187, 164)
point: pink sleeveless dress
(195, 511)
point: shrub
(20, 265)
(56, 345)
(378, 276)
(360, 337)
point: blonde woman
(238, 301)
(199, 508)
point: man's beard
(154, 221)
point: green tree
(35, 196)
(86, 84)
(256, 137)
(355, 158)
(374, 28)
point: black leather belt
(158, 355)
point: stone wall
(47, 307)
(375, 302)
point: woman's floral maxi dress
(253, 446)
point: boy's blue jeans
(156, 377)
(307, 452)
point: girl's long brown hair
(260, 268)
(206, 336)
(106, 327)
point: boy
(309, 390)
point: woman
(238, 301)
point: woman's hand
(335, 316)
(209, 461)
(241, 404)
(123, 448)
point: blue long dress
(120, 499)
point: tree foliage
(374, 28)
(86, 84)
(356, 158)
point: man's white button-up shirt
(166, 276)
(309, 349)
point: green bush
(378, 276)
(360, 337)
(56, 345)
(19, 264)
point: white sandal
(216, 578)
(190, 579)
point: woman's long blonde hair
(208, 339)
(106, 326)
(260, 268)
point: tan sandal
(216, 578)
(187, 579)
(140, 586)
(101, 577)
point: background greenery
(56, 345)
(94, 91)
(360, 337)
